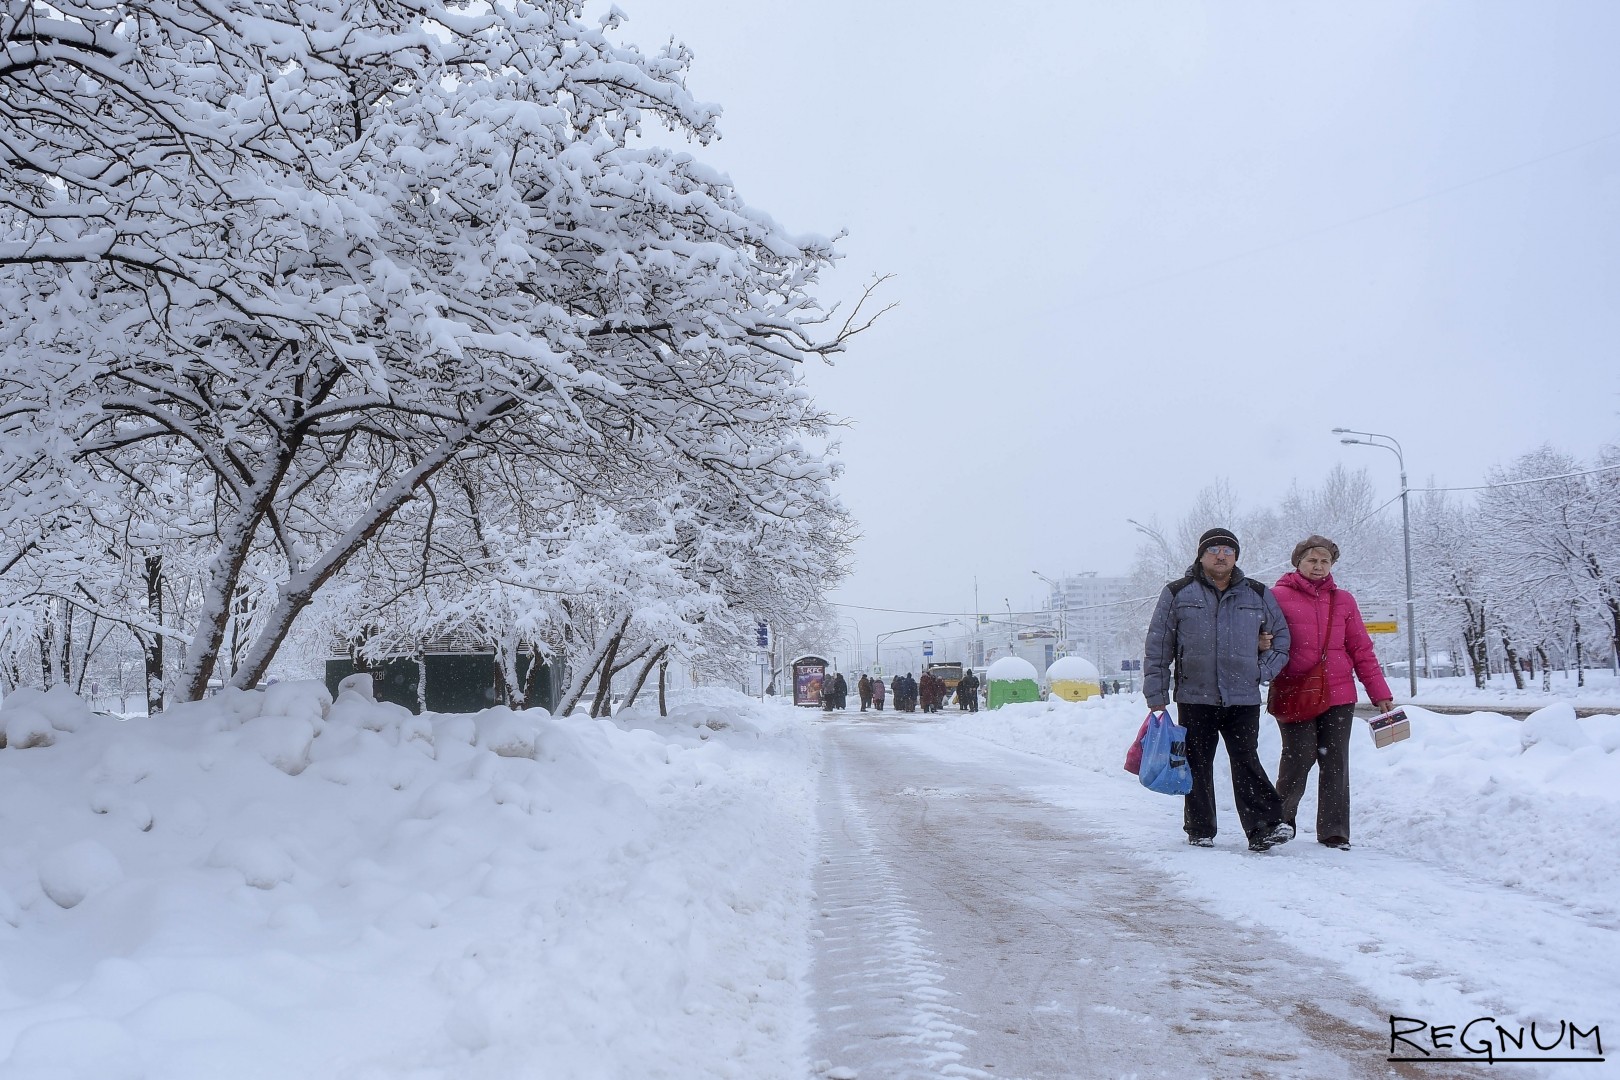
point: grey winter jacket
(1213, 639)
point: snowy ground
(271, 885)
(1485, 877)
(1601, 691)
(266, 885)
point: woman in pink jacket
(1324, 623)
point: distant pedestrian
(840, 691)
(1116, 687)
(1325, 624)
(879, 692)
(928, 690)
(967, 692)
(1224, 634)
(864, 688)
(905, 693)
(828, 694)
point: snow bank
(1077, 668)
(276, 884)
(1527, 804)
(1010, 669)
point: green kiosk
(1012, 678)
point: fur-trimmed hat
(1215, 538)
(1315, 541)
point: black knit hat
(1214, 538)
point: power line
(943, 614)
(1517, 483)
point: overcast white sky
(1142, 246)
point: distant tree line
(1519, 575)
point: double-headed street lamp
(850, 619)
(1394, 447)
(1062, 595)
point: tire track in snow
(876, 978)
(973, 928)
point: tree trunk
(532, 676)
(1546, 672)
(82, 666)
(1474, 645)
(1614, 640)
(421, 683)
(603, 704)
(582, 678)
(152, 646)
(663, 706)
(47, 649)
(235, 542)
(506, 654)
(299, 589)
(64, 616)
(1580, 665)
(646, 669)
(1512, 661)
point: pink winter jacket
(1349, 647)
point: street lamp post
(1168, 564)
(1063, 605)
(859, 651)
(877, 644)
(1406, 540)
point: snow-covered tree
(1451, 565)
(1550, 528)
(309, 255)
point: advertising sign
(808, 672)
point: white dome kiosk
(1074, 678)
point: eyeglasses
(1222, 549)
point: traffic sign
(1380, 621)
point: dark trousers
(1238, 726)
(1324, 741)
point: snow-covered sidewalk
(269, 885)
(273, 885)
(1530, 805)
(1485, 877)
(1601, 691)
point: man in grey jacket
(1224, 634)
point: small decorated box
(1391, 727)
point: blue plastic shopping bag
(1164, 756)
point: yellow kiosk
(1074, 678)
